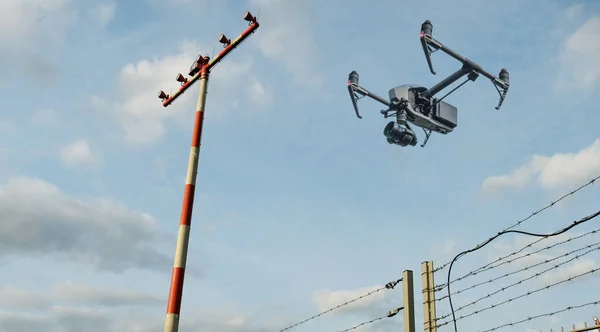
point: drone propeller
(354, 89)
(427, 31)
(353, 82)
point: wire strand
(521, 296)
(543, 315)
(561, 231)
(521, 281)
(596, 245)
(489, 266)
(518, 223)
(389, 314)
(389, 285)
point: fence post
(408, 301)
(429, 316)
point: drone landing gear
(427, 134)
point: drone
(415, 104)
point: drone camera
(249, 17)
(399, 135)
(181, 79)
(224, 40)
(163, 95)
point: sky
(299, 205)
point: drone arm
(354, 88)
(466, 69)
(427, 41)
(367, 93)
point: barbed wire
(389, 285)
(542, 315)
(515, 298)
(483, 244)
(518, 223)
(527, 267)
(555, 267)
(389, 314)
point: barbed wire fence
(391, 313)
(539, 270)
(546, 264)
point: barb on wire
(490, 265)
(595, 246)
(542, 315)
(389, 285)
(389, 314)
(518, 223)
(517, 297)
(558, 232)
(526, 279)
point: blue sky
(299, 204)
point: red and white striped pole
(185, 221)
(200, 71)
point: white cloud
(375, 304)
(444, 251)
(559, 170)
(21, 19)
(575, 11)
(142, 116)
(581, 51)
(260, 95)
(103, 13)
(44, 118)
(30, 31)
(74, 294)
(574, 269)
(78, 153)
(287, 38)
(59, 315)
(61, 227)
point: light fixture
(224, 40)
(248, 17)
(181, 79)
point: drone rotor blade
(427, 30)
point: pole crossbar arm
(213, 62)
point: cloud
(22, 19)
(103, 13)
(30, 32)
(112, 318)
(580, 54)
(78, 153)
(557, 171)
(287, 38)
(574, 269)
(139, 111)
(74, 294)
(444, 251)
(375, 304)
(43, 118)
(63, 227)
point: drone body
(415, 104)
